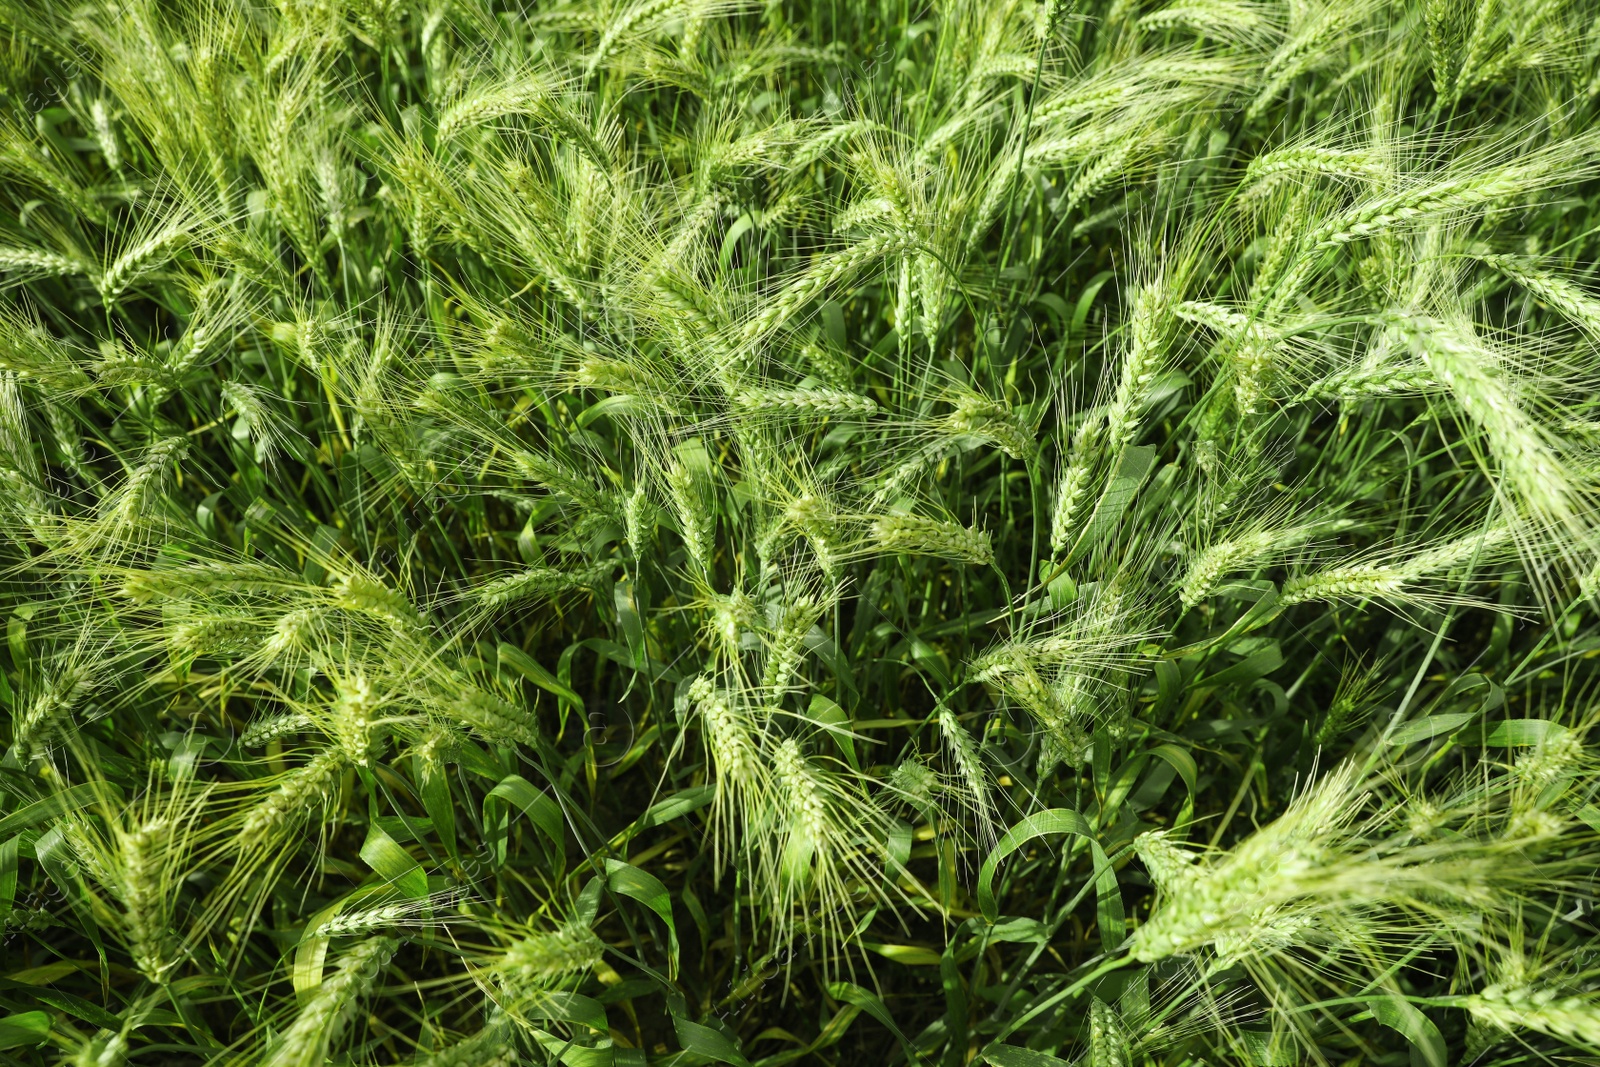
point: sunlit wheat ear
(904, 469)
(640, 517)
(1095, 637)
(789, 623)
(360, 591)
(1576, 303)
(816, 517)
(207, 580)
(689, 492)
(138, 499)
(1222, 20)
(352, 718)
(1315, 34)
(990, 421)
(537, 960)
(968, 774)
(329, 1008)
(824, 273)
(22, 264)
(1360, 382)
(1352, 701)
(456, 699)
(32, 163)
(291, 800)
(1064, 721)
(1480, 382)
(146, 893)
(1504, 39)
(485, 95)
(1558, 758)
(815, 402)
(632, 381)
(1476, 183)
(1081, 452)
(169, 93)
(1073, 677)
(528, 967)
(264, 731)
(127, 365)
(914, 535)
(562, 481)
(293, 797)
(1152, 82)
(57, 694)
(1503, 1009)
(220, 311)
(1441, 26)
(726, 618)
(1073, 484)
(1255, 358)
(140, 860)
(1108, 1039)
(1047, 148)
(1268, 170)
(534, 584)
(257, 421)
(1262, 542)
(1236, 894)
(32, 353)
(916, 785)
(731, 735)
(286, 128)
(1064, 676)
(1344, 862)
(151, 244)
(827, 847)
(490, 1047)
(1170, 866)
(640, 19)
(1142, 360)
(201, 632)
(1400, 578)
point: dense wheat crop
(627, 532)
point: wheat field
(673, 532)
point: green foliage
(675, 532)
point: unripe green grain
(330, 1006)
(914, 535)
(291, 802)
